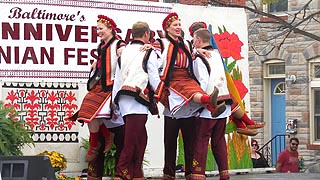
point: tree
(297, 23)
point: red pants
(95, 167)
(135, 142)
(171, 130)
(214, 129)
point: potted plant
(14, 133)
(57, 160)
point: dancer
(210, 73)
(177, 87)
(132, 98)
(96, 103)
(244, 124)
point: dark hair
(294, 139)
(255, 141)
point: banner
(56, 40)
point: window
(314, 76)
(280, 89)
(274, 69)
(317, 114)
(279, 6)
(315, 71)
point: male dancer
(210, 73)
(132, 98)
(244, 124)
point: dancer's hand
(204, 53)
(93, 65)
(145, 47)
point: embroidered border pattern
(96, 4)
(15, 73)
(45, 107)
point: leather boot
(256, 125)
(93, 153)
(219, 109)
(224, 175)
(214, 97)
(108, 143)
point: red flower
(229, 45)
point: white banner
(56, 40)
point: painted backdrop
(47, 47)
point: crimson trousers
(135, 142)
(171, 131)
(95, 167)
(206, 129)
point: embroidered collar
(209, 47)
(137, 42)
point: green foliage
(110, 162)
(85, 143)
(14, 133)
(230, 66)
(301, 164)
(222, 30)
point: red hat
(169, 19)
(200, 24)
(108, 22)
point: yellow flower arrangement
(64, 177)
(58, 161)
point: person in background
(288, 159)
(258, 160)
(210, 73)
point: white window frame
(267, 64)
(314, 85)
